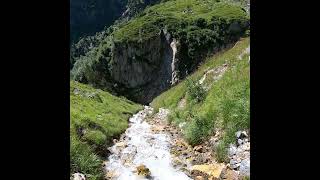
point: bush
(198, 130)
(200, 40)
(202, 23)
(195, 91)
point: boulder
(78, 176)
(245, 167)
(208, 171)
(241, 134)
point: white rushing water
(143, 147)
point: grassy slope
(226, 105)
(96, 118)
(173, 11)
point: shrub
(202, 23)
(195, 91)
(198, 130)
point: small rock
(76, 91)
(111, 174)
(245, 167)
(104, 163)
(78, 176)
(198, 148)
(230, 175)
(244, 134)
(181, 125)
(241, 134)
(238, 133)
(177, 161)
(199, 178)
(232, 150)
(240, 142)
(157, 128)
(211, 171)
(234, 164)
(143, 170)
(121, 144)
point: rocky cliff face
(146, 68)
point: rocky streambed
(143, 152)
(152, 149)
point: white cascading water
(143, 147)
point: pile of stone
(239, 154)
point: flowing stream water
(141, 146)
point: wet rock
(111, 174)
(78, 176)
(142, 170)
(211, 171)
(245, 167)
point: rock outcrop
(147, 68)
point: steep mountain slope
(214, 99)
(89, 17)
(145, 56)
(97, 118)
